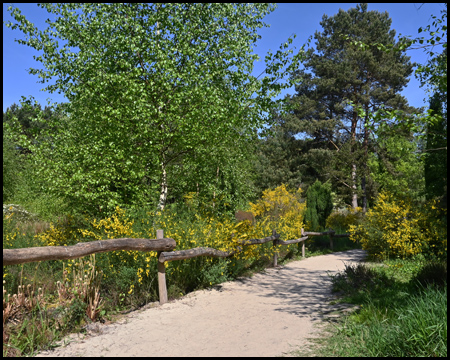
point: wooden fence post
(275, 254)
(161, 273)
(303, 244)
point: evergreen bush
(319, 205)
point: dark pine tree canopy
(337, 72)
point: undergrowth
(402, 311)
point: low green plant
(433, 273)
(216, 273)
(396, 316)
(360, 277)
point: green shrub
(359, 277)
(433, 273)
(319, 205)
(340, 220)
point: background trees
(434, 76)
(152, 88)
(157, 112)
(340, 78)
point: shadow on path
(304, 287)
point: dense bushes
(397, 228)
(341, 219)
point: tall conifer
(338, 73)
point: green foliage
(436, 155)
(434, 72)
(22, 183)
(341, 219)
(175, 78)
(433, 273)
(12, 165)
(396, 166)
(278, 160)
(393, 318)
(26, 117)
(216, 182)
(339, 79)
(285, 159)
(319, 205)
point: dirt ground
(270, 314)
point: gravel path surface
(270, 314)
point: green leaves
(148, 84)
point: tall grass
(399, 316)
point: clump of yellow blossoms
(113, 227)
(397, 228)
(119, 226)
(62, 233)
(278, 209)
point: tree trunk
(353, 140)
(366, 145)
(163, 193)
(354, 193)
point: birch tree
(148, 84)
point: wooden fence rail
(161, 245)
(26, 255)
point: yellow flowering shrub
(118, 225)
(62, 233)
(278, 209)
(279, 202)
(114, 227)
(342, 219)
(396, 228)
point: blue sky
(303, 19)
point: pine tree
(342, 84)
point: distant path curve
(269, 314)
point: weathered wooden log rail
(161, 245)
(26, 255)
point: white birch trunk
(163, 193)
(354, 195)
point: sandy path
(270, 314)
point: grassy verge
(402, 311)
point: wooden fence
(161, 245)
